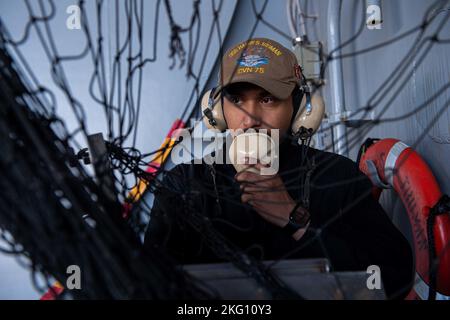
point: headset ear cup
(312, 119)
(212, 112)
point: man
(323, 209)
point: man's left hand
(267, 195)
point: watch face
(300, 216)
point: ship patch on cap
(253, 57)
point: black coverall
(348, 226)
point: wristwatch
(298, 219)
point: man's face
(248, 106)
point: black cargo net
(56, 213)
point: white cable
(296, 19)
(290, 18)
(302, 19)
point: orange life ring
(390, 163)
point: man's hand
(268, 196)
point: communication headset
(309, 110)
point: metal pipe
(336, 76)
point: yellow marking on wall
(159, 158)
